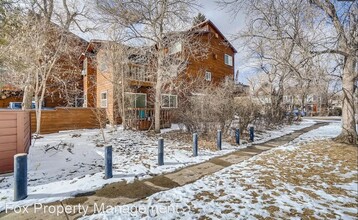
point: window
(84, 69)
(208, 76)
(103, 67)
(136, 100)
(103, 62)
(78, 102)
(104, 100)
(169, 101)
(177, 47)
(228, 60)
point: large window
(136, 100)
(104, 102)
(169, 101)
(228, 60)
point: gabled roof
(94, 44)
(208, 22)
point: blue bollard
(20, 177)
(195, 144)
(219, 137)
(108, 162)
(237, 135)
(161, 151)
(252, 134)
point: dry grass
(135, 190)
(315, 170)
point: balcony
(143, 118)
(139, 75)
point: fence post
(108, 162)
(161, 151)
(237, 135)
(195, 144)
(252, 133)
(219, 136)
(20, 176)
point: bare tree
(206, 107)
(42, 49)
(345, 26)
(155, 26)
(313, 28)
(114, 66)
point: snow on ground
(308, 178)
(64, 164)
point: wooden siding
(15, 137)
(60, 119)
(105, 84)
(215, 62)
(4, 103)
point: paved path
(122, 193)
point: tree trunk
(28, 93)
(157, 104)
(123, 107)
(349, 132)
(38, 103)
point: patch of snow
(64, 164)
(227, 194)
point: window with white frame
(104, 99)
(169, 101)
(228, 60)
(136, 100)
(84, 68)
(177, 47)
(207, 76)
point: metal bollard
(237, 135)
(219, 137)
(20, 176)
(161, 151)
(252, 134)
(195, 144)
(108, 162)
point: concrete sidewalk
(122, 193)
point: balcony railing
(139, 73)
(143, 118)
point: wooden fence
(15, 137)
(60, 119)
